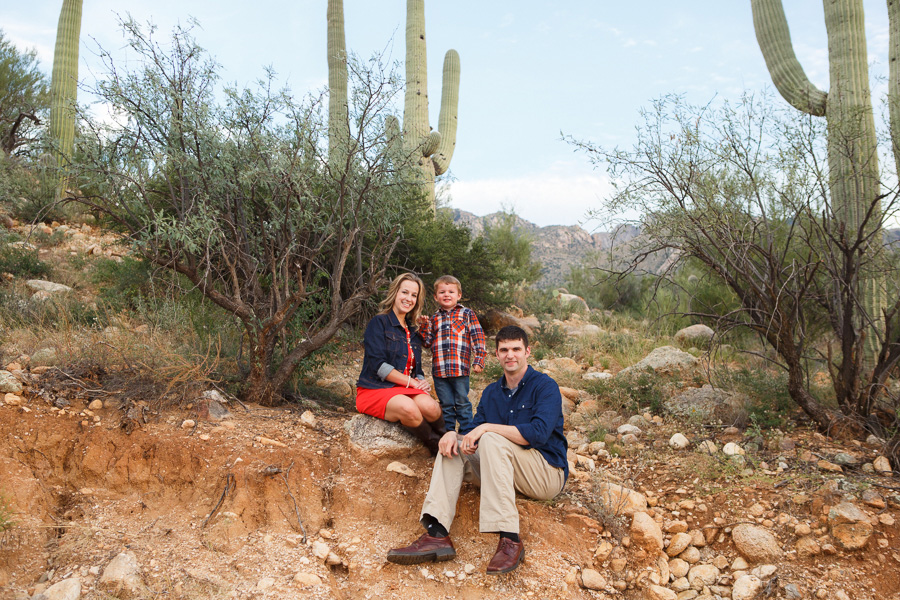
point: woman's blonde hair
(412, 317)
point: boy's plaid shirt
(456, 339)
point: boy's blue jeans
(453, 394)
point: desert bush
(744, 189)
(642, 391)
(20, 260)
(231, 189)
(604, 290)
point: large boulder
(122, 576)
(708, 404)
(379, 438)
(494, 320)
(571, 300)
(665, 360)
(40, 285)
(696, 335)
(850, 526)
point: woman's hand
(421, 384)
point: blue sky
(530, 70)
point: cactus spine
(847, 108)
(429, 152)
(338, 109)
(64, 86)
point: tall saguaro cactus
(847, 108)
(338, 110)
(429, 152)
(64, 85)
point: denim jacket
(385, 346)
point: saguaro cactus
(429, 152)
(338, 111)
(847, 108)
(64, 85)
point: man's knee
(491, 441)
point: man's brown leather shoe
(508, 556)
(424, 549)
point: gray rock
(592, 579)
(638, 421)
(626, 429)
(665, 360)
(9, 384)
(40, 285)
(845, 460)
(67, 589)
(122, 576)
(379, 438)
(593, 375)
(45, 357)
(707, 404)
(696, 335)
(792, 592)
(678, 441)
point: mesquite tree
(745, 190)
(236, 195)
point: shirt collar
(445, 310)
(525, 378)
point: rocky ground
(109, 492)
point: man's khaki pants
(500, 467)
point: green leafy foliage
(24, 99)
(17, 258)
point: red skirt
(374, 402)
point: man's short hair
(448, 280)
(511, 333)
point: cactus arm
(893, 7)
(774, 40)
(338, 109)
(64, 84)
(415, 110)
(448, 120)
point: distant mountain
(556, 247)
(560, 247)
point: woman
(391, 385)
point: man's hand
(448, 444)
(470, 441)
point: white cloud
(562, 195)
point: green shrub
(549, 335)
(770, 403)
(121, 283)
(20, 260)
(630, 394)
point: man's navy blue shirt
(534, 407)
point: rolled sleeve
(384, 370)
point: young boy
(456, 339)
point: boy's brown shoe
(424, 549)
(508, 556)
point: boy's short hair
(445, 279)
(511, 333)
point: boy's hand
(423, 321)
(477, 368)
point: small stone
(678, 544)
(732, 449)
(679, 567)
(739, 564)
(469, 568)
(592, 579)
(720, 562)
(691, 555)
(829, 466)
(645, 532)
(326, 533)
(188, 424)
(67, 589)
(602, 552)
(707, 447)
(308, 419)
(122, 574)
(764, 572)
(679, 442)
(265, 583)
(657, 592)
(9, 383)
(882, 465)
(320, 549)
(756, 543)
(873, 499)
(13, 399)
(802, 529)
(628, 429)
(399, 467)
(701, 576)
(332, 560)
(95, 405)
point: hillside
(128, 478)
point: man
(515, 443)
